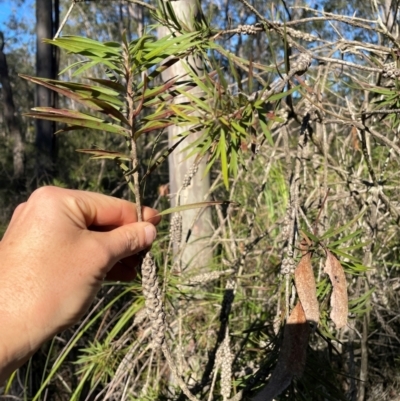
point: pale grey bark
(196, 228)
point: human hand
(59, 247)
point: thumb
(127, 240)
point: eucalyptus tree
(189, 181)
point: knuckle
(44, 193)
(133, 242)
(44, 197)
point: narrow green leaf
(161, 68)
(111, 111)
(169, 46)
(68, 67)
(78, 92)
(67, 129)
(74, 341)
(161, 159)
(200, 81)
(87, 65)
(196, 206)
(80, 122)
(239, 60)
(139, 44)
(104, 154)
(196, 99)
(151, 93)
(153, 125)
(345, 238)
(265, 129)
(96, 91)
(331, 232)
(159, 114)
(65, 113)
(381, 91)
(311, 236)
(224, 161)
(278, 96)
(179, 110)
(115, 86)
(354, 247)
(240, 129)
(51, 84)
(345, 255)
(78, 44)
(233, 162)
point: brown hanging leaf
(292, 356)
(306, 288)
(354, 139)
(295, 340)
(339, 299)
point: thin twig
(143, 4)
(64, 21)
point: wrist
(19, 334)
(15, 350)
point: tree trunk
(194, 251)
(10, 119)
(46, 67)
(196, 229)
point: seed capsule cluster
(152, 294)
(189, 175)
(300, 66)
(225, 358)
(391, 71)
(309, 106)
(175, 230)
(205, 278)
(247, 29)
(288, 265)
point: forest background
(287, 118)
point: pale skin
(58, 248)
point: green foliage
(125, 62)
(253, 144)
(226, 121)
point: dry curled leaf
(339, 299)
(306, 288)
(292, 356)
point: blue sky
(21, 11)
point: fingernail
(151, 233)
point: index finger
(103, 210)
(90, 208)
